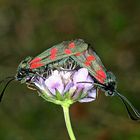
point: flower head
(76, 85)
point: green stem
(68, 123)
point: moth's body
(74, 59)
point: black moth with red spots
(71, 55)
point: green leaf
(59, 96)
(67, 95)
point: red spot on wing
(100, 76)
(36, 65)
(35, 60)
(52, 57)
(72, 45)
(102, 73)
(78, 54)
(67, 51)
(99, 79)
(90, 58)
(53, 53)
(87, 63)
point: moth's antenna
(2, 93)
(132, 111)
(9, 77)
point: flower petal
(68, 86)
(39, 86)
(91, 96)
(92, 93)
(80, 76)
(66, 76)
(39, 82)
(85, 100)
(55, 82)
(88, 86)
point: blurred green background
(29, 27)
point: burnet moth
(70, 55)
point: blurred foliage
(112, 27)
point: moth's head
(111, 76)
(23, 70)
(24, 64)
(111, 81)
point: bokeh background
(27, 28)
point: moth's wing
(64, 50)
(90, 60)
(98, 60)
(58, 52)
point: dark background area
(27, 28)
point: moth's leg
(31, 86)
(75, 65)
(48, 72)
